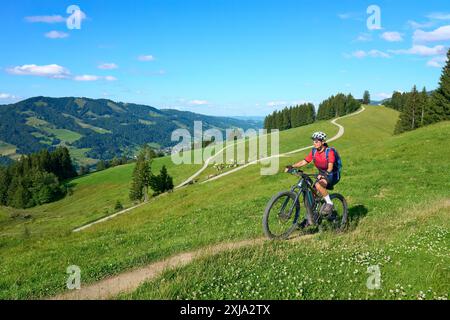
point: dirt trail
(130, 280)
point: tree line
(36, 179)
(337, 105)
(301, 115)
(292, 117)
(418, 109)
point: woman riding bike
(328, 174)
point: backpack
(337, 163)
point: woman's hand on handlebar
(288, 168)
(293, 170)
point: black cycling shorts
(332, 178)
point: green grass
(326, 266)
(86, 125)
(79, 156)
(7, 149)
(147, 122)
(400, 220)
(62, 134)
(92, 197)
(384, 176)
(289, 140)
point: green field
(398, 205)
(61, 134)
(7, 149)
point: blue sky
(220, 57)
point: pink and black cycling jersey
(320, 161)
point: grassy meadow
(398, 205)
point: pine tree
(439, 109)
(286, 120)
(20, 197)
(45, 188)
(162, 182)
(5, 180)
(366, 97)
(278, 120)
(141, 179)
(67, 169)
(409, 117)
(137, 190)
(118, 205)
(423, 107)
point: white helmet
(319, 135)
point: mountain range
(96, 129)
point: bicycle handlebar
(299, 172)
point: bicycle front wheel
(281, 215)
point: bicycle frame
(306, 187)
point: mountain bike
(281, 216)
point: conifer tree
(439, 109)
(366, 97)
(409, 116)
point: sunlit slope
(92, 196)
(192, 217)
(289, 140)
(400, 220)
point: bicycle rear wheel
(339, 216)
(281, 215)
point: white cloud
(46, 19)
(377, 54)
(372, 53)
(439, 16)
(392, 36)
(440, 34)
(50, 71)
(299, 102)
(276, 103)
(422, 50)
(88, 78)
(54, 71)
(364, 37)
(437, 62)
(6, 96)
(146, 58)
(359, 54)
(383, 95)
(198, 102)
(56, 35)
(417, 25)
(108, 66)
